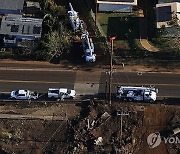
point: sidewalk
(143, 33)
(45, 66)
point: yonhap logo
(154, 140)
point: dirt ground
(34, 135)
(88, 127)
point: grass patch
(123, 25)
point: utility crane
(74, 20)
(88, 47)
(146, 94)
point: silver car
(24, 94)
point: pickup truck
(61, 93)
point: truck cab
(150, 95)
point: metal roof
(11, 4)
(21, 26)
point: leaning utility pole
(111, 67)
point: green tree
(174, 21)
(58, 42)
(50, 7)
(173, 43)
(53, 13)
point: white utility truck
(88, 48)
(146, 94)
(61, 93)
(74, 20)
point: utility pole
(106, 98)
(111, 67)
(96, 12)
(122, 113)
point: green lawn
(124, 26)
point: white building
(165, 13)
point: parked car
(61, 93)
(24, 94)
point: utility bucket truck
(74, 20)
(88, 48)
(146, 94)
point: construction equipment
(146, 94)
(74, 20)
(88, 47)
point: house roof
(122, 2)
(165, 12)
(11, 4)
(167, 1)
(20, 26)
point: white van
(61, 93)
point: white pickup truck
(61, 93)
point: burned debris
(103, 131)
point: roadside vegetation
(57, 38)
(170, 44)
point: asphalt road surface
(86, 83)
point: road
(86, 83)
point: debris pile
(100, 128)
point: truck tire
(53, 98)
(71, 97)
(151, 101)
(124, 99)
(12, 98)
(130, 99)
